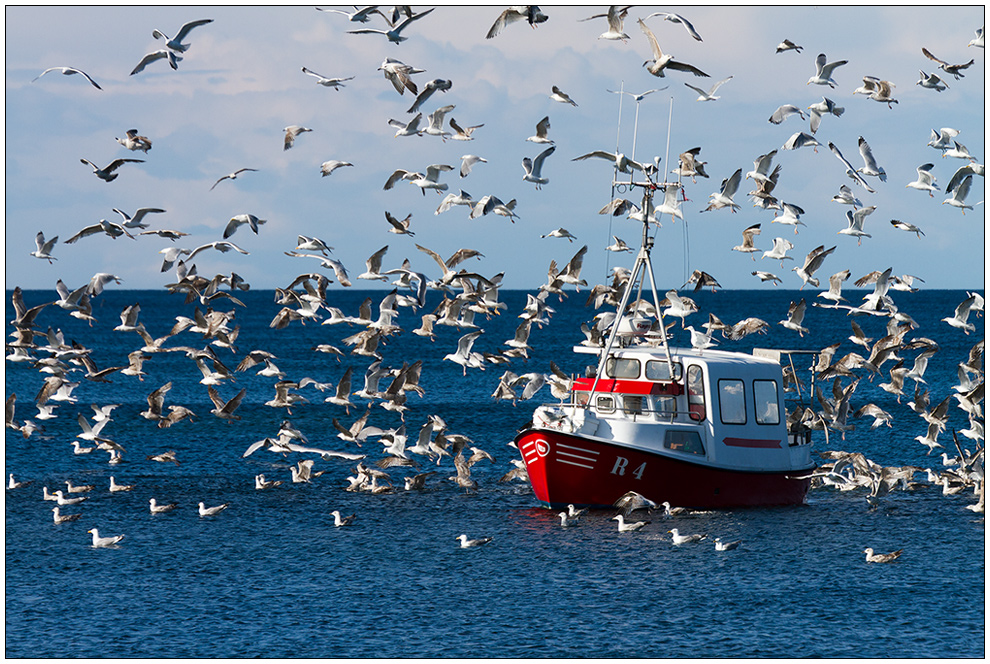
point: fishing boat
(695, 427)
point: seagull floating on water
(881, 557)
(469, 543)
(104, 542)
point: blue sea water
(272, 577)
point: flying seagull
(233, 176)
(531, 13)
(68, 71)
(823, 71)
(175, 43)
(394, 34)
(661, 61)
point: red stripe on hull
(567, 469)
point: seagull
(876, 90)
(618, 246)
(881, 557)
(628, 527)
(336, 83)
(542, 127)
(856, 220)
(959, 151)
(834, 291)
(239, 220)
(462, 133)
(467, 162)
(971, 168)
(566, 520)
(640, 96)
(812, 262)
(662, 62)
(137, 220)
(766, 276)
(850, 171)
(823, 71)
(339, 520)
(394, 34)
(64, 518)
(432, 86)
(788, 45)
(870, 164)
(155, 508)
(362, 15)
(677, 18)
(785, 111)
(818, 110)
(134, 141)
(290, 135)
(103, 542)
(44, 250)
(534, 167)
(958, 198)
(955, 70)
(615, 18)
(556, 94)
(154, 56)
(104, 226)
(233, 176)
(175, 43)
(700, 340)
(846, 197)
(562, 232)
(621, 162)
(114, 487)
(931, 81)
(531, 13)
(905, 226)
(679, 539)
(926, 179)
(942, 139)
(107, 173)
(978, 40)
(225, 410)
(469, 543)
(710, 94)
(68, 71)
(961, 316)
(723, 197)
(328, 167)
(726, 546)
(435, 127)
(800, 140)
(212, 511)
(795, 316)
(632, 501)
(398, 73)
(463, 355)
(747, 246)
(791, 216)
(410, 128)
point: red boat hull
(566, 469)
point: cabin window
(683, 441)
(731, 401)
(632, 403)
(765, 402)
(605, 404)
(666, 405)
(696, 393)
(622, 367)
(660, 370)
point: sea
(272, 577)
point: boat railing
(642, 413)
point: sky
(240, 84)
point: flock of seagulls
(470, 296)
